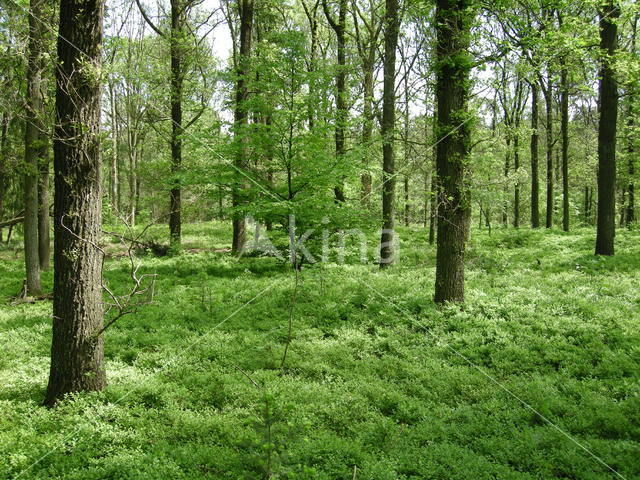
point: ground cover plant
(536, 376)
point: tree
(77, 348)
(392, 27)
(35, 146)
(607, 126)
(339, 26)
(177, 36)
(241, 119)
(453, 67)
(535, 183)
(367, 37)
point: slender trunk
(507, 167)
(631, 140)
(535, 183)
(631, 150)
(392, 27)
(406, 150)
(44, 227)
(339, 27)
(132, 185)
(435, 188)
(4, 129)
(433, 207)
(241, 122)
(548, 97)
(564, 106)
(367, 129)
(516, 166)
(453, 24)
(113, 167)
(608, 96)
(35, 146)
(177, 80)
(77, 349)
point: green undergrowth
(535, 378)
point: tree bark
(392, 27)
(176, 40)
(35, 145)
(241, 121)
(77, 351)
(4, 130)
(608, 102)
(548, 97)
(564, 127)
(453, 24)
(340, 29)
(44, 226)
(113, 167)
(535, 183)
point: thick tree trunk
(77, 350)
(35, 145)
(608, 96)
(535, 183)
(177, 80)
(241, 121)
(392, 27)
(453, 24)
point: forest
(319, 239)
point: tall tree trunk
(516, 166)
(4, 129)
(631, 140)
(44, 226)
(548, 97)
(564, 114)
(608, 96)
(35, 145)
(433, 206)
(177, 79)
(241, 121)
(77, 348)
(507, 167)
(535, 183)
(453, 24)
(392, 27)
(340, 28)
(367, 129)
(113, 167)
(631, 150)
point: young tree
(35, 145)
(608, 103)
(77, 350)
(453, 26)
(392, 27)
(339, 26)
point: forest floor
(537, 377)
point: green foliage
(378, 380)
